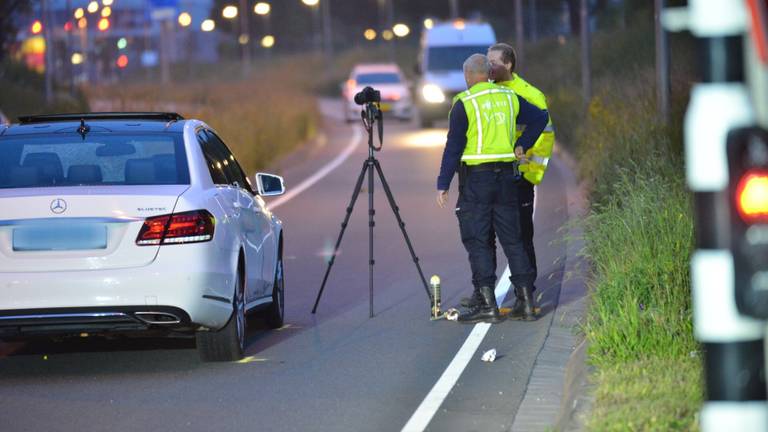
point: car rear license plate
(60, 238)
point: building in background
(100, 40)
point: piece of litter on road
(452, 314)
(489, 355)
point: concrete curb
(556, 385)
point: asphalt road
(338, 370)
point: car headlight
(433, 94)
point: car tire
(227, 344)
(276, 312)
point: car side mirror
(269, 185)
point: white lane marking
(322, 172)
(442, 388)
(429, 406)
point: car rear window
(61, 159)
(378, 78)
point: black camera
(368, 95)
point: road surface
(338, 370)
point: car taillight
(392, 97)
(188, 227)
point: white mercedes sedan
(134, 223)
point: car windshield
(66, 159)
(378, 78)
(451, 58)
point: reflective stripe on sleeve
(549, 128)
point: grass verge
(639, 229)
(261, 117)
(21, 93)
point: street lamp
(229, 12)
(310, 2)
(208, 25)
(401, 30)
(79, 13)
(369, 34)
(262, 8)
(106, 12)
(387, 35)
(268, 41)
(185, 19)
(93, 7)
(103, 24)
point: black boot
(473, 301)
(524, 307)
(487, 311)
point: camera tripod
(371, 115)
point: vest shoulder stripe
(479, 127)
(489, 91)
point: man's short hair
(477, 64)
(507, 53)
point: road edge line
(319, 174)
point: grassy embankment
(22, 93)
(262, 117)
(638, 232)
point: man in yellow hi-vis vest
(502, 58)
(482, 143)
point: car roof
(98, 123)
(376, 68)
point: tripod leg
(371, 224)
(351, 206)
(396, 211)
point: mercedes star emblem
(58, 206)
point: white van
(444, 48)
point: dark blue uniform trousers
(489, 201)
(526, 221)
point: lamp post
(231, 12)
(314, 5)
(244, 38)
(263, 9)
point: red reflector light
(752, 196)
(188, 227)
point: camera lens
(367, 95)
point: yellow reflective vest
(538, 156)
(491, 113)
